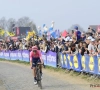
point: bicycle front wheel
(39, 79)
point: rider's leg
(34, 69)
(34, 72)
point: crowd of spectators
(74, 43)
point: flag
(51, 28)
(33, 32)
(40, 33)
(2, 32)
(30, 34)
(45, 29)
(53, 34)
(64, 33)
(57, 34)
(10, 33)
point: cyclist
(35, 57)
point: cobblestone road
(17, 77)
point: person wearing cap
(88, 40)
(67, 37)
(91, 47)
(77, 33)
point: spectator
(56, 49)
(74, 51)
(91, 47)
(77, 33)
(83, 37)
(66, 48)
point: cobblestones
(14, 77)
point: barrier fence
(23, 55)
(86, 63)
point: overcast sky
(64, 12)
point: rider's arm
(31, 58)
(40, 56)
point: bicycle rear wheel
(39, 79)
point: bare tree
(10, 22)
(32, 26)
(3, 23)
(26, 22)
(21, 22)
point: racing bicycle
(38, 75)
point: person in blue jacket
(77, 33)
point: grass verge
(16, 61)
(86, 76)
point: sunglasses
(34, 50)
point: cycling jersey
(35, 56)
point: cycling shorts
(34, 62)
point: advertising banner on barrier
(93, 65)
(61, 60)
(1, 54)
(51, 59)
(19, 54)
(25, 55)
(6, 55)
(98, 64)
(77, 62)
(85, 63)
(44, 57)
(69, 61)
(64, 61)
(13, 55)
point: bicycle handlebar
(41, 64)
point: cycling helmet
(34, 48)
